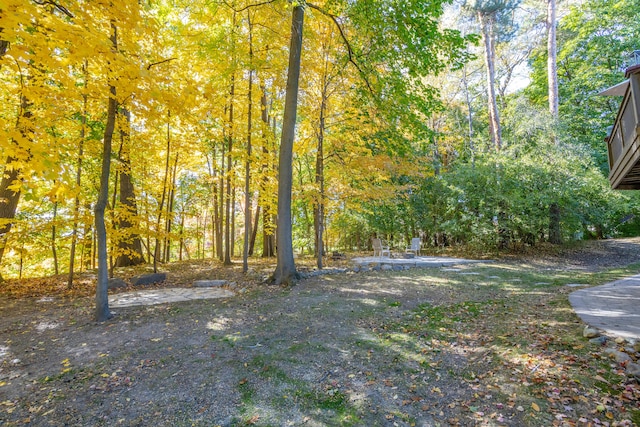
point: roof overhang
(618, 90)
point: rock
(208, 283)
(598, 340)
(619, 356)
(386, 267)
(633, 369)
(148, 279)
(620, 340)
(636, 346)
(590, 332)
(116, 283)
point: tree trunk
(54, 249)
(555, 235)
(102, 299)
(254, 231)
(76, 206)
(228, 217)
(318, 214)
(487, 22)
(247, 164)
(157, 252)
(169, 217)
(9, 197)
(285, 272)
(129, 245)
(220, 213)
(268, 243)
(552, 65)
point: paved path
(419, 261)
(161, 296)
(614, 307)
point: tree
(285, 272)
(488, 13)
(102, 299)
(552, 66)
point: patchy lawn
(487, 344)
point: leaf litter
(420, 347)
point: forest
(163, 130)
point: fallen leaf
(535, 407)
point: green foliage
(502, 200)
(595, 40)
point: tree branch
(352, 60)
(249, 6)
(56, 5)
(159, 62)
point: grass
(423, 345)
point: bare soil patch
(491, 344)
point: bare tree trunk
(228, 217)
(157, 252)
(552, 64)
(169, 220)
(268, 243)
(220, 213)
(318, 217)
(487, 22)
(9, 197)
(465, 82)
(247, 164)
(102, 298)
(54, 250)
(555, 234)
(130, 245)
(254, 230)
(76, 206)
(285, 272)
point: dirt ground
(417, 347)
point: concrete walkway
(613, 308)
(161, 296)
(416, 262)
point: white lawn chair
(379, 249)
(415, 247)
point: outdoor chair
(379, 248)
(415, 246)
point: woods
(157, 132)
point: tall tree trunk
(285, 272)
(76, 206)
(220, 213)
(54, 249)
(228, 217)
(9, 197)
(465, 82)
(102, 299)
(555, 235)
(157, 252)
(268, 242)
(487, 23)
(130, 245)
(318, 214)
(254, 230)
(169, 220)
(552, 64)
(247, 163)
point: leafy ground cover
(488, 344)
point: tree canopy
(391, 136)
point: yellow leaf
(104, 375)
(535, 407)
